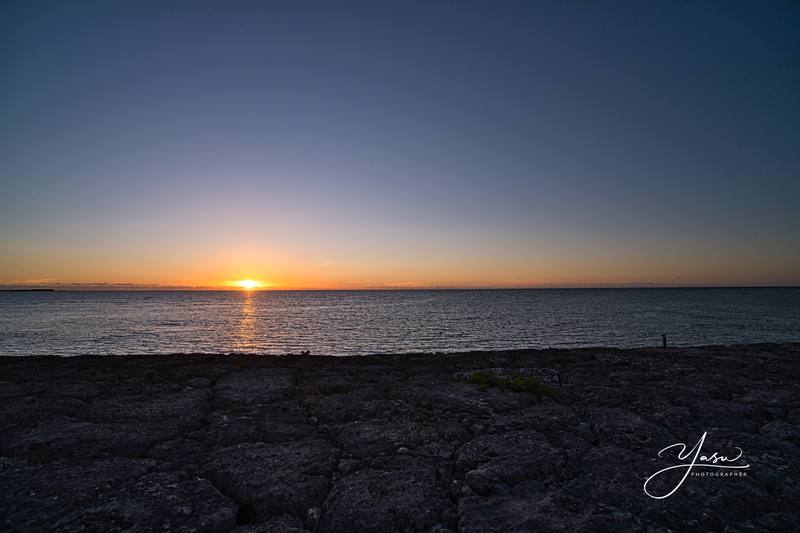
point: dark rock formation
(397, 443)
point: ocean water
(369, 322)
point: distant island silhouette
(27, 290)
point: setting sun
(248, 284)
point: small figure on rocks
(312, 517)
(663, 340)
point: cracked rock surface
(397, 443)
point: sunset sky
(400, 144)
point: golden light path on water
(246, 327)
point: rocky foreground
(397, 443)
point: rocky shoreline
(399, 443)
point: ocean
(68, 323)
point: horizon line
(122, 287)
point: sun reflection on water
(246, 325)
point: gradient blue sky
(369, 144)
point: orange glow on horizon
(256, 267)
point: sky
(400, 144)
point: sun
(248, 284)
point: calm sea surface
(364, 322)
